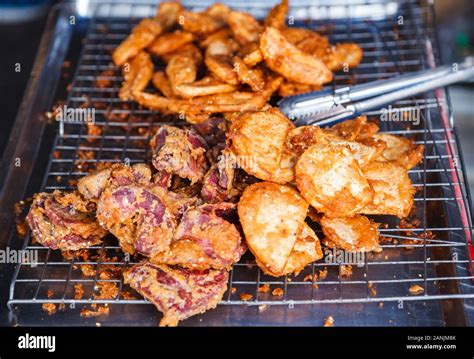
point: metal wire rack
(397, 40)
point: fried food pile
(223, 61)
(240, 175)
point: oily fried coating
(203, 240)
(330, 179)
(177, 292)
(252, 77)
(341, 55)
(170, 42)
(182, 68)
(295, 35)
(276, 16)
(261, 153)
(314, 44)
(245, 28)
(290, 62)
(306, 250)
(251, 54)
(354, 129)
(142, 35)
(167, 13)
(355, 234)
(136, 76)
(400, 150)
(161, 82)
(221, 34)
(272, 218)
(200, 22)
(219, 11)
(64, 221)
(218, 57)
(302, 138)
(393, 190)
(206, 86)
(288, 88)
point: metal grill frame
(441, 171)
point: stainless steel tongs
(328, 106)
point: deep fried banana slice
(393, 190)
(204, 87)
(341, 55)
(277, 15)
(161, 82)
(330, 179)
(290, 62)
(245, 28)
(170, 42)
(355, 234)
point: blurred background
(22, 23)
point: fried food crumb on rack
(240, 174)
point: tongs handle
(326, 106)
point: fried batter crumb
(262, 307)
(264, 288)
(107, 290)
(373, 290)
(78, 291)
(328, 322)
(277, 292)
(49, 308)
(416, 289)
(245, 296)
(323, 273)
(345, 270)
(50, 293)
(88, 270)
(102, 310)
(233, 290)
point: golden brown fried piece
(261, 154)
(167, 43)
(218, 58)
(182, 67)
(356, 234)
(400, 150)
(252, 77)
(295, 35)
(221, 34)
(167, 13)
(161, 82)
(354, 129)
(245, 28)
(200, 22)
(251, 54)
(293, 88)
(276, 17)
(341, 55)
(142, 35)
(330, 179)
(272, 218)
(205, 105)
(290, 62)
(137, 75)
(206, 86)
(219, 11)
(393, 190)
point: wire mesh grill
(434, 255)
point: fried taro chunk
(330, 179)
(180, 152)
(257, 140)
(64, 221)
(204, 240)
(355, 234)
(273, 221)
(177, 292)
